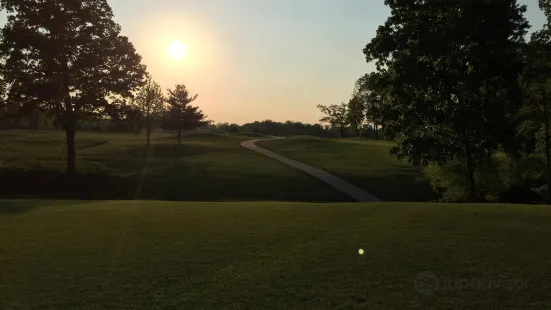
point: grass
(143, 254)
(206, 167)
(364, 163)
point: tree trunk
(181, 124)
(375, 133)
(357, 131)
(472, 195)
(34, 122)
(70, 133)
(341, 132)
(69, 122)
(148, 134)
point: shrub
(526, 177)
(448, 181)
(499, 179)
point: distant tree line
(288, 128)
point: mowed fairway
(257, 255)
(364, 163)
(205, 167)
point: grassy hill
(364, 163)
(258, 254)
(143, 254)
(120, 166)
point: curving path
(355, 192)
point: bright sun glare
(177, 50)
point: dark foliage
(180, 115)
(66, 59)
(453, 68)
(288, 128)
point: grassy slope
(139, 254)
(365, 163)
(119, 166)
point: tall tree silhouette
(150, 104)
(536, 83)
(455, 67)
(356, 113)
(66, 58)
(178, 99)
(373, 90)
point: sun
(177, 50)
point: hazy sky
(260, 59)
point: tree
(189, 119)
(66, 58)
(178, 99)
(132, 116)
(455, 67)
(545, 6)
(336, 116)
(356, 113)
(150, 102)
(536, 84)
(4, 112)
(289, 128)
(373, 90)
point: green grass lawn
(364, 163)
(257, 255)
(205, 167)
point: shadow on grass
(22, 206)
(171, 151)
(179, 182)
(54, 184)
(400, 186)
(160, 172)
(185, 181)
(93, 183)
